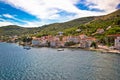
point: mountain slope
(87, 25)
(111, 20)
(15, 30)
(46, 29)
(56, 27)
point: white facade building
(117, 43)
(53, 44)
(73, 39)
(35, 42)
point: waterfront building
(117, 43)
(86, 42)
(116, 38)
(36, 42)
(100, 31)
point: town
(81, 41)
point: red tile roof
(114, 35)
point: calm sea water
(17, 63)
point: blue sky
(34, 13)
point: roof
(90, 38)
(114, 35)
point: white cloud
(32, 24)
(47, 9)
(4, 23)
(43, 9)
(28, 23)
(11, 17)
(50, 9)
(7, 16)
(107, 5)
(2, 19)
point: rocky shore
(105, 49)
(101, 48)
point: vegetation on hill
(12, 30)
(87, 25)
(53, 29)
(110, 23)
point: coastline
(102, 49)
(105, 51)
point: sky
(35, 13)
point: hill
(53, 29)
(43, 30)
(110, 23)
(88, 25)
(11, 30)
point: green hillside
(15, 30)
(43, 30)
(110, 23)
(53, 29)
(87, 25)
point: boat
(27, 47)
(60, 50)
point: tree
(26, 39)
(94, 45)
(69, 43)
(118, 22)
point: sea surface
(17, 63)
